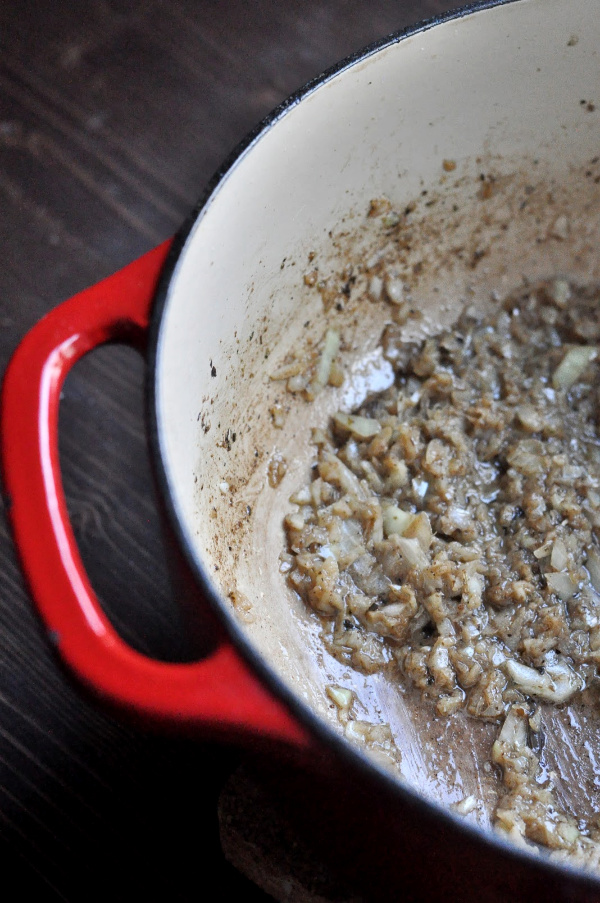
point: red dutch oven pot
(496, 85)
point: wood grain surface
(113, 116)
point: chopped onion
(411, 550)
(286, 371)
(512, 740)
(420, 487)
(465, 806)
(361, 427)
(558, 558)
(394, 289)
(514, 729)
(395, 520)
(296, 383)
(529, 418)
(568, 832)
(419, 528)
(573, 365)
(560, 292)
(593, 566)
(562, 585)
(375, 287)
(331, 346)
(557, 684)
(334, 471)
(341, 696)
(301, 496)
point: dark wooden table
(113, 116)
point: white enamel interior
(498, 91)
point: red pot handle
(219, 695)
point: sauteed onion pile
(451, 533)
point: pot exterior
(389, 852)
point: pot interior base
(493, 186)
(494, 244)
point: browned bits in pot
(242, 605)
(277, 413)
(452, 531)
(309, 374)
(379, 206)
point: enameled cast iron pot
(481, 130)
